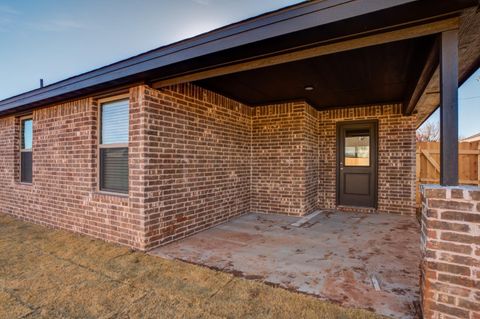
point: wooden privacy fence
(428, 164)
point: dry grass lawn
(48, 273)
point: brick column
(450, 242)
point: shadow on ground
(48, 273)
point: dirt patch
(48, 273)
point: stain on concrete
(332, 259)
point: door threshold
(356, 209)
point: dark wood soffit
(372, 75)
(291, 19)
(419, 86)
(329, 47)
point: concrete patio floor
(334, 256)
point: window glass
(26, 167)
(357, 148)
(115, 122)
(27, 134)
(114, 173)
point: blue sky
(468, 107)
(56, 39)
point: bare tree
(429, 132)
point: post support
(449, 108)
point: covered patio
(365, 261)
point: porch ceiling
(376, 74)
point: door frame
(375, 123)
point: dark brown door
(357, 164)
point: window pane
(115, 122)
(27, 134)
(357, 148)
(26, 167)
(114, 169)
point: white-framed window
(113, 146)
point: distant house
(473, 138)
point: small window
(114, 146)
(26, 142)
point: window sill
(24, 184)
(112, 194)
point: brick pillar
(450, 242)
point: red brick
(450, 289)
(454, 311)
(460, 238)
(435, 224)
(446, 299)
(454, 291)
(450, 204)
(461, 260)
(461, 216)
(456, 193)
(63, 193)
(450, 268)
(475, 195)
(469, 304)
(457, 280)
(453, 247)
(436, 193)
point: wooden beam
(449, 108)
(431, 160)
(330, 47)
(425, 76)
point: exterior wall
(63, 193)
(283, 159)
(198, 151)
(451, 252)
(310, 149)
(196, 159)
(396, 156)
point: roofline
(276, 23)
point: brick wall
(310, 149)
(196, 159)
(63, 193)
(396, 156)
(451, 252)
(198, 151)
(284, 155)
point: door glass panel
(357, 148)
